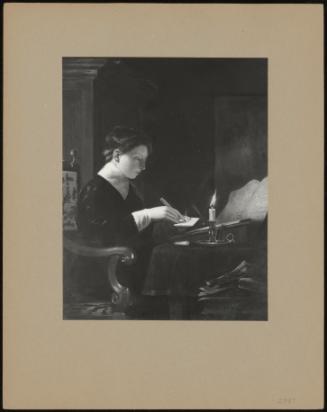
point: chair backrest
(70, 185)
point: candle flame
(213, 200)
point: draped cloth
(181, 270)
(248, 202)
(178, 270)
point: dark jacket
(104, 215)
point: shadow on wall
(206, 117)
(240, 142)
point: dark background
(207, 118)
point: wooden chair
(74, 244)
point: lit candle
(212, 214)
(212, 210)
(212, 220)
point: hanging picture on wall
(164, 142)
(70, 192)
(143, 282)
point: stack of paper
(189, 222)
(241, 277)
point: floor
(159, 308)
(82, 302)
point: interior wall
(183, 147)
(174, 101)
(78, 125)
(241, 142)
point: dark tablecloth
(181, 270)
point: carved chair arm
(127, 255)
(115, 255)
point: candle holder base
(207, 242)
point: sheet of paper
(189, 223)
